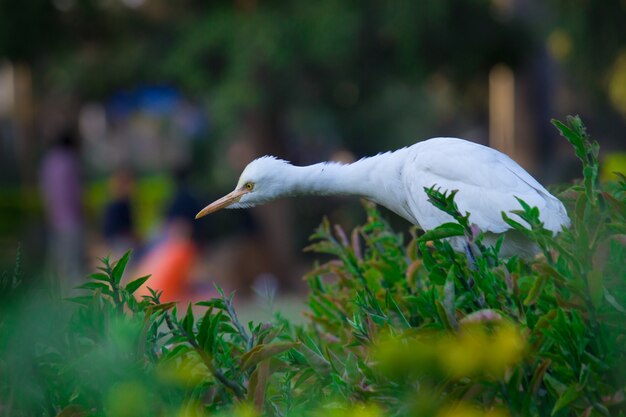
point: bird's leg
(507, 279)
(471, 261)
(511, 287)
(471, 258)
(470, 237)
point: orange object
(170, 265)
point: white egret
(487, 181)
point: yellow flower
(462, 354)
(398, 355)
(127, 399)
(186, 370)
(507, 348)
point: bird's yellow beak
(225, 201)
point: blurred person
(172, 258)
(118, 226)
(61, 187)
(170, 262)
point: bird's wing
(487, 182)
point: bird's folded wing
(487, 181)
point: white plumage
(487, 181)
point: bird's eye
(249, 186)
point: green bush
(394, 329)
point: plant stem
(233, 386)
(206, 359)
(235, 320)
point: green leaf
(265, 351)
(585, 150)
(573, 136)
(571, 394)
(444, 201)
(214, 302)
(391, 304)
(316, 360)
(596, 288)
(258, 384)
(211, 334)
(545, 269)
(618, 207)
(538, 375)
(204, 328)
(161, 307)
(99, 277)
(303, 377)
(443, 231)
(556, 387)
(514, 224)
(448, 303)
(536, 290)
(120, 266)
(82, 300)
(187, 322)
(134, 285)
(177, 351)
(443, 315)
(613, 301)
(106, 288)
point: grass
(393, 328)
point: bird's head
(261, 181)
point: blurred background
(120, 119)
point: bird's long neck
(367, 177)
(326, 178)
(378, 178)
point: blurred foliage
(348, 63)
(327, 67)
(394, 329)
(335, 62)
